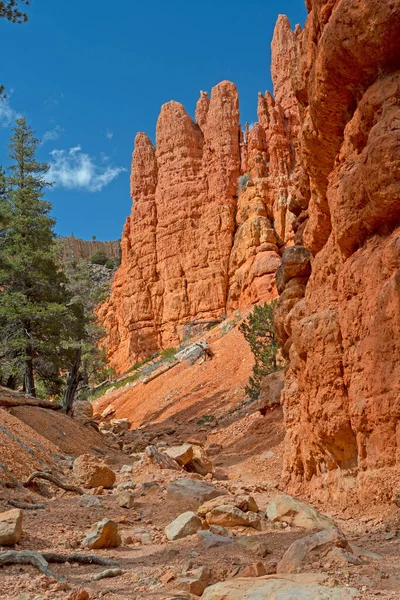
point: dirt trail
(247, 458)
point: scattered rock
(310, 549)
(126, 469)
(110, 410)
(194, 581)
(150, 488)
(89, 501)
(108, 573)
(227, 515)
(182, 454)
(125, 498)
(218, 530)
(126, 485)
(187, 523)
(119, 425)
(92, 472)
(255, 570)
(79, 595)
(274, 587)
(192, 490)
(270, 391)
(244, 503)
(103, 534)
(10, 527)
(161, 459)
(288, 509)
(209, 540)
(200, 463)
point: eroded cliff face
(340, 326)
(197, 244)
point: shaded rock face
(340, 325)
(199, 244)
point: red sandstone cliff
(196, 244)
(340, 326)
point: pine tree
(9, 9)
(258, 330)
(35, 319)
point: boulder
(227, 515)
(10, 527)
(209, 540)
(125, 498)
(288, 509)
(244, 503)
(187, 523)
(199, 463)
(192, 490)
(161, 459)
(92, 472)
(82, 411)
(279, 587)
(119, 425)
(270, 391)
(254, 570)
(310, 549)
(182, 454)
(194, 581)
(103, 534)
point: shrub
(258, 330)
(99, 258)
(243, 181)
(168, 353)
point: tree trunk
(29, 381)
(72, 383)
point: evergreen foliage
(37, 320)
(9, 9)
(258, 330)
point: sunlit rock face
(210, 214)
(340, 326)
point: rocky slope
(201, 242)
(340, 327)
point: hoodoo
(210, 213)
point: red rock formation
(196, 245)
(341, 329)
(72, 248)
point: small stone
(255, 570)
(89, 501)
(391, 535)
(209, 540)
(10, 527)
(126, 469)
(92, 472)
(125, 499)
(187, 523)
(103, 534)
(79, 595)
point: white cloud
(75, 170)
(53, 134)
(109, 134)
(7, 113)
(54, 100)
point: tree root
(28, 557)
(26, 505)
(83, 559)
(42, 475)
(41, 561)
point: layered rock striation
(210, 215)
(339, 312)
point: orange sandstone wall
(339, 309)
(196, 246)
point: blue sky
(89, 74)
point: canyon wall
(338, 317)
(210, 214)
(72, 248)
